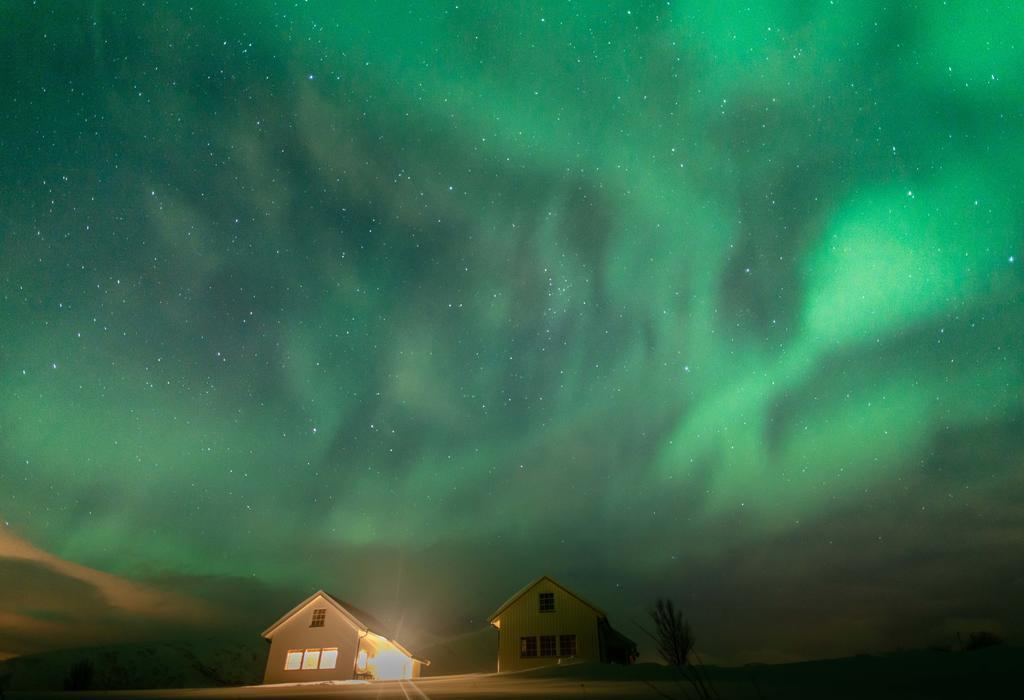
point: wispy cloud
(48, 602)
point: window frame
(546, 597)
(552, 646)
(334, 665)
(562, 651)
(319, 617)
(309, 653)
(288, 655)
(303, 653)
(525, 644)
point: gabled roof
(368, 621)
(525, 589)
(363, 621)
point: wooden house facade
(324, 639)
(545, 623)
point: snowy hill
(185, 664)
(208, 663)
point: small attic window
(318, 617)
(547, 602)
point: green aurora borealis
(417, 301)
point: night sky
(704, 300)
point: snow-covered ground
(990, 673)
(441, 688)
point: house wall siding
(523, 618)
(295, 633)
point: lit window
(547, 602)
(361, 660)
(527, 646)
(293, 661)
(329, 658)
(311, 659)
(547, 645)
(567, 645)
(318, 617)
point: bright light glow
(311, 659)
(391, 664)
(361, 661)
(329, 658)
(293, 661)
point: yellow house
(323, 639)
(545, 623)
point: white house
(545, 623)
(323, 639)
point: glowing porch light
(391, 664)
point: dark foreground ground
(989, 673)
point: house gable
(524, 594)
(319, 600)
